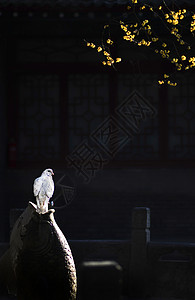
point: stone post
(101, 280)
(139, 243)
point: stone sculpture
(38, 264)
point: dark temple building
(62, 109)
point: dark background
(54, 93)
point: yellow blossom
(175, 16)
(106, 53)
(118, 59)
(166, 76)
(161, 82)
(172, 83)
(109, 41)
(191, 59)
(174, 29)
(175, 22)
(164, 45)
(144, 22)
(99, 49)
(124, 28)
(134, 1)
(129, 37)
(104, 63)
(160, 7)
(183, 57)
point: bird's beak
(52, 173)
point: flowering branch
(138, 29)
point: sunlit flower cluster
(107, 58)
(174, 17)
(165, 53)
(167, 80)
(161, 82)
(144, 43)
(192, 62)
(174, 31)
(192, 25)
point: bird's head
(48, 172)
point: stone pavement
(124, 298)
(160, 298)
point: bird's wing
(48, 186)
(37, 186)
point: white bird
(43, 189)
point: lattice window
(88, 105)
(38, 117)
(182, 119)
(144, 145)
(53, 50)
